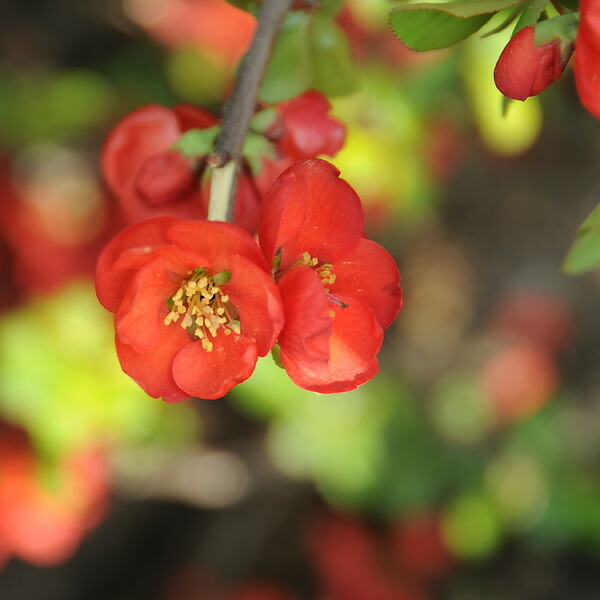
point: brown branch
(240, 106)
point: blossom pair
(536, 56)
(151, 174)
(197, 302)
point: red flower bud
(525, 69)
(164, 178)
(307, 127)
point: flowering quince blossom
(306, 128)
(194, 305)
(340, 291)
(151, 178)
(525, 69)
(587, 56)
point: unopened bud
(164, 178)
(525, 70)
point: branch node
(218, 159)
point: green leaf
(257, 147)
(251, 6)
(330, 7)
(531, 14)
(562, 27)
(264, 119)
(431, 26)
(334, 68)
(290, 71)
(276, 355)
(197, 142)
(584, 254)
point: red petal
(140, 319)
(255, 295)
(247, 205)
(216, 240)
(589, 22)
(191, 116)
(305, 337)
(140, 135)
(153, 371)
(355, 340)
(164, 178)
(138, 242)
(587, 57)
(309, 209)
(211, 375)
(370, 274)
(309, 130)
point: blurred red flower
(306, 128)
(195, 305)
(339, 289)
(214, 25)
(52, 206)
(519, 380)
(259, 590)
(150, 178)
(353, 563)
(43, 522)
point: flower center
(325, 272)
(203, 306)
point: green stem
(227, 155)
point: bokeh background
(468, 469)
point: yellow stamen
(204, 307)
(324, 271)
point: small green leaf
(514, 13)
(531, 14)
(276, 354)
(289, 72)
(170, 303)
(334, 68)
(197, 142)
(562, 27)
(264, 119)
(330, 7)
(584, 254)
(199, 271)
(431, 26)
(276, 263)
(251, 6)
(257, 147)
(222, 277)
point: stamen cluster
(204, 306)
(324, 271)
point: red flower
(354, 563)
(42, 524)
(339, 289)
(151, 180)
(306, 128)
(525, 69)
(587, 57)
(195, 305)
